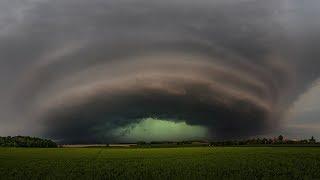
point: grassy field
(161, 163)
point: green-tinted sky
(160, 130)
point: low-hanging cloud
(73, 70)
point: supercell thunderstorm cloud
(76, 70)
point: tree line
(280, 140)
(26, 141)
(265, 141)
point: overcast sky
(111, 70)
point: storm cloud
(74, 70)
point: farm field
(161, 163)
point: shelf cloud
(74, 70)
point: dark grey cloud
(72, 69)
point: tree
(312, 140)
(25, 141)
(280, 138)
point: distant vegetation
(26, 141)
(172, 143)
(280, 140)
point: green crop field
(161, 163)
